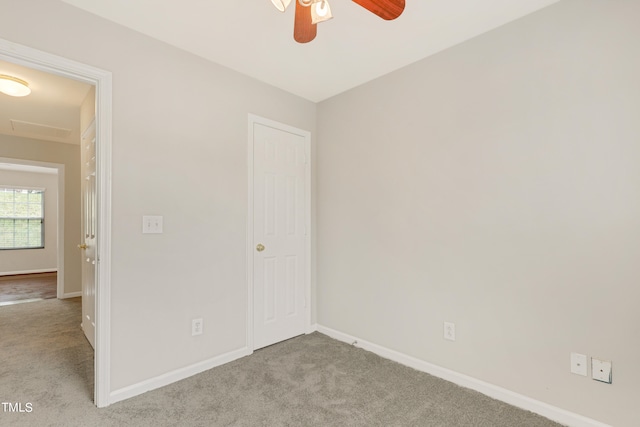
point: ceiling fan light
(321, 11)
(281, 5)
(14, 86)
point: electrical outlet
(196, 327)
(449, 331)
(601, 370)
(579, 364)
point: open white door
(280, 250)
(88, 246)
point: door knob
(260, 247)
(82, 246)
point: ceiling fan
(310, 12)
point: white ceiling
(252, 37)
(54, 102)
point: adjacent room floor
(27, 287)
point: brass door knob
(82, 246)
(260, 247)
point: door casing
(102, 80)
(254, 119)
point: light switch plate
(579, 364)
(601, 370)
(151, 224)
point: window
(21, 218)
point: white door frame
(43, 61)
(254, 119)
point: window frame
(15, 188)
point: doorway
(32, 273)
(32, 58)
(278, 237)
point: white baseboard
(556, 414)
(177, 375)
(312, 328)
(13, 273)
(71, 295)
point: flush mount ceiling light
(13, 86)
(310, 12)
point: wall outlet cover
(601, 370)
(579, 364)
(449, 331)
(196, 327)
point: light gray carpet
(307, 381)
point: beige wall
(179, 150)
(43, 259)
(495, 185)
(68, 155)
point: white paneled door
(88, 246)
(279, 245)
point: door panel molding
(250, 249)
(102, 80)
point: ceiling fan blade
(303, 29)
(385, 9)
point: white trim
(249, 238)
(61, 229)
(103, 190)
(15, 273)
(71, 295)
(255, 119)
(521, 401)
(21, 187)
(176, 375)
(102, 79)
